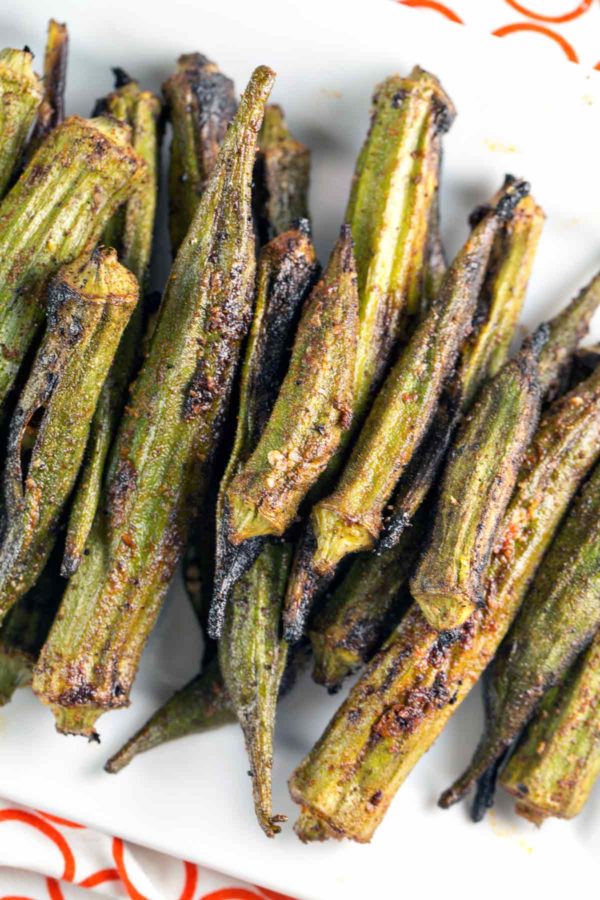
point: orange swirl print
(100, 877)
(232, 893)
(191, 881)
(437, 7)
(579, 10)
(58, 821)
(119, 858)
(54, 891)
(540, 29)
(20, 815)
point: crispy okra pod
(420, 677)
(161, 459)
(201, 103)
(89, 303)
(476, 488)
(134, 232)
(311, 413)
(200, 705)
(558, 619)
(252, 657)
(59, 206)
(350, 518)
(557, 762)
(52, 110)
(20, 98)
(281, 177)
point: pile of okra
(351, 467)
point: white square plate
(192, 798)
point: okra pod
(420, 677)
(310, 415)
(20, 97)
(557, 620)
(57, 209)
(200, 705)
(287, 270)
(161, 459)
(350, 519)
(201, 103)
(140, 110)
(252, 657)
(281, 177)
(475, 490)
(89, 303)
(52, 109)
(557, 762)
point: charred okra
(420, 677)
(557, 762)
(89, 303)
(200, 705)
(165, 443)
(476, 488)
(201, 103)
(20, 97)
(52, 110)
(133, 232)
(557, 620)
(310, 415)
(281, 177)
(59, 206)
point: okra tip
(122, 78)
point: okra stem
(20, 97)
(52, 110)
(164, 446)
(420, 677)
(557, 762)
(89, 304)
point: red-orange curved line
(118, 856)
(540, 29)
(100, 877)
(597, 66)
(273, 895)
(579, 10)
(191, 881)
(58, 820)
(20, 815)
(438, 7)
(15, 897)
(231, 894)
(54, 891)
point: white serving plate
(535, 117)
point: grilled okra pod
(52, 109)
(200, 705)
(476, 487)
(558, 619)
(557, 762)
(281, 177)
(201, 103)
(420, 677)
(59, 206)
(161, 459)
(310, 415)
(134, 232)
(20, 97)
(350, 518)
(89, 303)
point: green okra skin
(140, 110)
(287, 271)
(161, 459)
(419, 678)
(557, 762)
(200, 705)
(556, 622)
(436, 264)
(252, 658)
(312, 410)
(89, 303)
(350, 519)
(281, 177)
(58, 207)
(393, 191)
(20, 97)
(52, 109)
(201, 103)
(476, 487)
(363, 610)
(566, 331)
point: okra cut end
(332, 664)
(77, 720)
(336, 537)
(16, 66)
(247, 521)
(309, 829)
(99, 278)
(445, 610)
